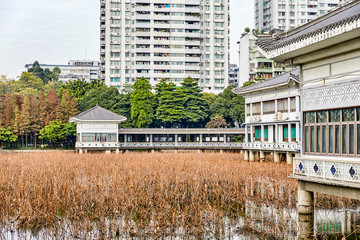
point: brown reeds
(135, 195)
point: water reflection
(260, 221)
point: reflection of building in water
(284, 222)
(76, 69)
(327, 50)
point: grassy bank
(146, 194)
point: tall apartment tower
(170, 39)
(287, 14)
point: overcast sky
(54, 31)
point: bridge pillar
(305, 211)
(289, 158)
(276, 157)
(81, 151)
(246, 155)
(108, 151)
(262, 156)
(251, 156)
(221, 151)
(117, 151)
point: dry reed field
(135, 195)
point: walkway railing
(327, 169)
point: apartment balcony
(192, 59)
(192, 51)
(192, 18)
(143, 16)
(192, 10)
(195, 68)
(143, 25)
(264, 69)
(192, 34)
(192, 26)
(193, 2)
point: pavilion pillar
(246, 155)
(305, 211)
(289, 158)
(262, 156)
(252, 155)
(276, 157)
(81, 151)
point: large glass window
(282, 105)
(268, 107)
(257, 133)
(334, 131)
(292, 104)
(293, 132)
(285, 133)
(256, 109)
(266, 133)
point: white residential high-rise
(287, 14)
(170, 39)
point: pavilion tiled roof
(279, 80)
(98, 113)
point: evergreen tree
(25, 123)
(169, 103)
(36, 125)
(142, 100)
(51, 106)
(196, 107)
(8, 110)
(229, 105)
(67, 108)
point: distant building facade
(171, 40)
(76, 69)
(254, 66)
(233, 74)
(286, 15)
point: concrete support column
(221, 151)
(199, 150)
(251, 156)
(252, 134)
(262, 156)
(305, 211)
(151, 140)
(289, 132)
(176, 139)
(246, 133)
(176, 151)
(81, 151)
(289, 158)
(117, 151)
(246, 155)
(152, 150)
(276, 157)
(201, 138)
(298, 132)
(297, 104)
(276, 133)
(125, 138)
(241, 151)
(108, 151)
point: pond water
(260, 221)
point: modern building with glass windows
(288, 14)
(161, 39)
(272, 117)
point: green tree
(7, 136)
(58, 132)
(169, 103)
(28, 84)
(248, 83)
(142, 100)
(196, 107)
(229, 105)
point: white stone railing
(96, 145)
(327, 169)
(294, 147)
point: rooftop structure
(286, 15)
(76, 69)
(253, 65)
(171, 40)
